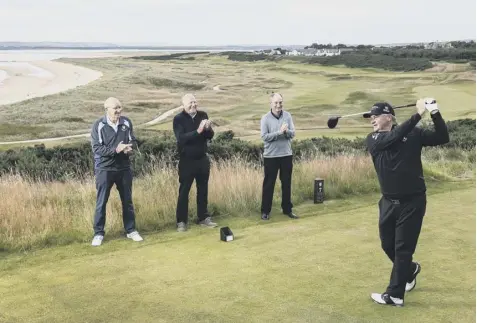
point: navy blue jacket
(104, 141)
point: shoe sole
(395, 305)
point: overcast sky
(238, 22)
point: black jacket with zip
(190, 143)
(396, 155)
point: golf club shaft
(354, 114)
(398, 107)
(406, 106)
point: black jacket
(396, 155)
(191, 144)
(104, 141)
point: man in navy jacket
(112, 140)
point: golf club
(333, 121)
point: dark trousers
(188, 171)
(399, 228)
(271, 168)
(104, 183)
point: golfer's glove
(431, 105)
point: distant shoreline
(150, 48)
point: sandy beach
(26, 74)
(25, 80)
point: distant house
(309, 52)
(328, 52)
(293, 53)
(317, 52)
(438, 45)
(303, 52)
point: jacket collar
(104, 119)
(279, 116)
(185, 114)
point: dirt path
(162, 117)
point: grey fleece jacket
(277, 144)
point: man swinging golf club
(396, 154)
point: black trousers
(400, 224)
(188, 171)
(104, 182)
(271, 168)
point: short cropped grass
(320, 268)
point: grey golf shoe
(181, 227)
(207, 222)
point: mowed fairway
(320, 268)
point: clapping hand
(284, 128)
(128, 150)
(123, 147)
(202, 126)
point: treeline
(369, 60)
(62, 163)
(458, 44)
(337, 46)
(441, 54)
(349, 59)
(247, 57)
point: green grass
(320, 268)
(7, 129)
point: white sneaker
(386, 299)
(97, 240)
(135, 236)
(410, 285)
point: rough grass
(38, 214)
(7, 129)
(320, 268)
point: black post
(319, 193)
